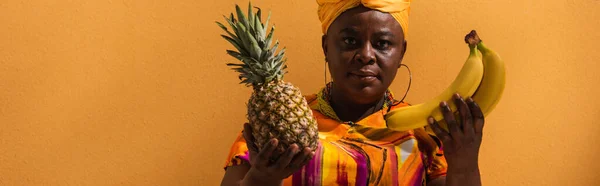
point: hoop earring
(409, 82)
(325, 70)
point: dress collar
(324, 107)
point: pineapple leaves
(274, 49)
(250, 17)
(266, 25)
(244, 37)
(241, 17)
(236, 55)
(256, 50)
(227, 30)
(261, 63)
(233, 39)
(279, 56)
(278, 65)
(232, 23)
(234, 43)
(259, 34)
(259, 16)
(224, 28)
(233, 20)
(269, 38)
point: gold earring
(409, 81)
(325, 71)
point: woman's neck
(347, 110)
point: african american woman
(364, 42)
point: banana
(466, 83)
(482, 77)
(490, 90)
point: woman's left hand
(461, 144)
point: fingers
(249, 138)
(286, 158)
(266, 152)
(455, 132)
(478, 117)
(301, 159)
(465, 115)
(439, 132)
(309, 157)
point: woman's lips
(364, 76)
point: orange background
(136, 92)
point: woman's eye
(383, 44)
(349, 41)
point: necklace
(387, 101)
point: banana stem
(472, 38)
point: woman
(364, 44)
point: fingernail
(430, 120)
(456, 96)
(470, 100)
(443, 104)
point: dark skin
(364, 49)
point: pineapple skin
(279, 110)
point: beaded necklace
(324, 106)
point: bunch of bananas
(482, 78)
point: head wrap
(331, 9)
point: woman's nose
(365, 54)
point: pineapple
(276, 109)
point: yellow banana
(494, 78)
(465, 83)
(486, 72)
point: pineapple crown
(259, 64)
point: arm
(235, 174)
(441, 181)
(461, 143)
(468, 178)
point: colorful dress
(362, 153)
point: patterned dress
(362, 153)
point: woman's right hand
(264, 170)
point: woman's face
(364, 49)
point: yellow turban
(331, 9)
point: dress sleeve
(238, 152)
(437, 165)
